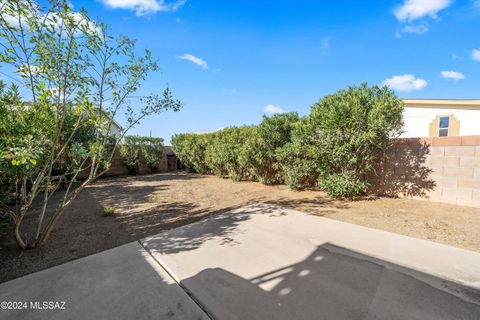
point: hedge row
(332, 149)
(137, 149)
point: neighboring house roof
(115, 123)
(443, 103)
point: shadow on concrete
(402, 171)
(320, 206)
(122, 283)
(222, 225)
(333, 283)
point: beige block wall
(441, 169)
(118, 168)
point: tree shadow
(402, 171)
(169, 216)
(320, 206)
(125, 198)
(164, 176)
(333, 283)
(102, 286)
(221, 225)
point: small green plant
(109, 211)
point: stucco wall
(418, 119)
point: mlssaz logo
(47, 305)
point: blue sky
(229, 61)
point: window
(443, 125)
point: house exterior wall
(418, 120)
(116, 131)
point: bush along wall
(137, 149)
(332, 149)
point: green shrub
(272, 134)
(333, 148)
(138, 149)
(342, 186)
(351, 127)
(190, 149)
(131, 153)
(109, 211)
(217, 153)
(227, 154)
(152, 152)
(298, 165)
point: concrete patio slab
(121, 283)
(263, 262)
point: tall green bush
(298, 164)
(272, 134)
(354, 125)
(227, 154)
(224, 153)
(138, 149)
(332, 149)
(190, 149)
(153, 150)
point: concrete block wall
(441, 169)
(118, 168)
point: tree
(82, 77)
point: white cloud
(81, 21)
(454, 75)
(24, 70)
(413, 28)
(415, 9)
(273, 109)
(144, 7)
(405, 83)
(456, 57)
(53, 19)
(196, 60)
(475, 54)
(12, 20)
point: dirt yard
(146, 205)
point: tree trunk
(18, 238)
